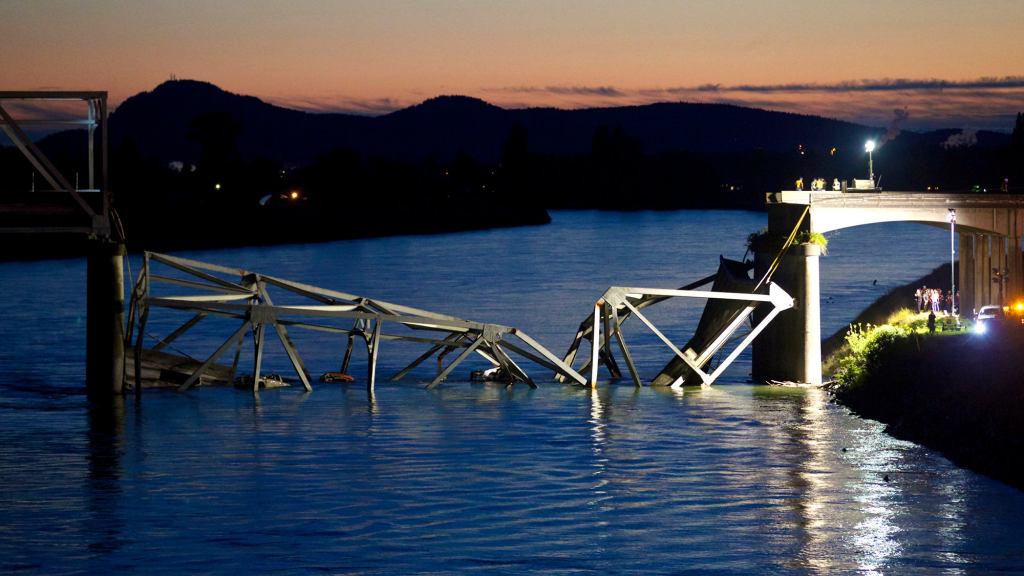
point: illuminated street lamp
(870, 147)
(952, 267)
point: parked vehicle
(989, 317)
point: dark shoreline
(159, 236)
(961, 395)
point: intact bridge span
(991, 270)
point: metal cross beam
(619, 303)
(36, 212)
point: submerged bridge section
(991, 270)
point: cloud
(881, 85)
(41, 117)
(848, 86)
(986, 103)
(49, 110)
(604, 91)
(341, 104)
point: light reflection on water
(476, 478)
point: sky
(936, 63)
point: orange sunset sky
(951, 63)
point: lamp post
(870, 147)
(952, 266)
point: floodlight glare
(869, 146)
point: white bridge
(991, 270)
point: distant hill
(240, 170)
(158, 123)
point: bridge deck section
(1000, 214)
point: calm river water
(475, 478)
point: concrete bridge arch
(991, 269)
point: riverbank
(879, 311)
(304, 224)
(959, 394)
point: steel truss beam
(619, 303)
(243, 295)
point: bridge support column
(982, 272)
(104, 344)
(790, 347)
(1015, 284)
(965, 285)
(1002, 271)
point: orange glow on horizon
(373, 58)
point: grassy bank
(955, 392)
(834, 347)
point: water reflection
(105, 431)
(479, 479)
(827, 467)
(597, 445)
(852, 488)
(371, 402)
(878, 493)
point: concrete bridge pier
(790, 347)
(104, 343)
(991, 270)
(965, 280)
(999, 275)
(982, 270)
(1015, 281)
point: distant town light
(294, 195)
(216, 186)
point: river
(475, 478)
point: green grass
(865, 343)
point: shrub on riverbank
(955, 392)
(864, 342)
(865, 348)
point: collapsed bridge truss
(619, 303)
(214, 290)
(208, 290)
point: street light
(952, 267)
(870, 147)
